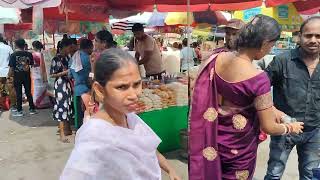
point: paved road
(30, 150)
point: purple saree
(223, 139)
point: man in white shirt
(187, 56)
(5, 52)
(148, 52)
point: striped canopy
(123, 25)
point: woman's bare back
(233, 69)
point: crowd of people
(107, 83)
(232, 103)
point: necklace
(246, 59)
(314, 65)
(107, 117)
(243, 58)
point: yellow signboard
(286, 15)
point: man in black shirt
(20, 64)
(295, 77)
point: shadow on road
(41, 119)
(175, 155)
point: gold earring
(99, 96)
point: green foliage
(122, 40)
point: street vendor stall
(164, 107)
(167, 123)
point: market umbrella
(122, 26)
(181, 5)
(148, 5)
(207, 17)
(95, 12)
(99, 10)
(177, 5)
(157, 19)
(142, 18)
(211, 17)
(178, 18)
(76, 16)
(308, 6)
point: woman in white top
(115, 144)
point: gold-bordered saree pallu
(223, 140)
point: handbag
(5, 103)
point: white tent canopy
(142, 18)
(9, 15)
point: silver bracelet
(287, 119)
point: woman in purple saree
(230, 105)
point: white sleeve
(10, 50)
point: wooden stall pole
(54, 40)
(43, 38)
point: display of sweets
(181, 93)
(156, 96)
(150, 100)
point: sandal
(65, 140)
(67, 133)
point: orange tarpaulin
(99, 10)
(170, 5)
(195, 5)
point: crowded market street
(30, 150)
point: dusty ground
(30, 150)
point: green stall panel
(167, 123)
(76, 116)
